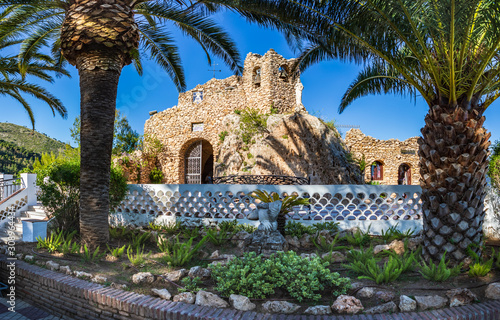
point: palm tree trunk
(99, 76)
(453, 164)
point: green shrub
(329, 226)
(321, 244)
(139, 239)
(394, 234)
(246, 227)
(190, 284)
(370, 270)
(170, 228)
(139, 258)
(252, 123)
(120, 232)
(440, 272)
(60, 193)
(54, 242)
(188, 232)
(494, 167)
(256, 277)
(480, 268)
(156, 176)
(223, 233)
(89, 256)
(116, 252)
(359, 238)
(69, 247)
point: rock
(306, 242)
(162, 293)
(65, 269)
(29, 258)
(208, 299)
(118, 286)
(176, 275)
(308, 256)
(347, 304)
(385, 296)
(99, 279)
(318, 310)
(365, 293)
(467, 261)
(334, 256)
(266, 243)
(51, 265)
(414, 242)
(19, 256)
(241, 303)
(214, 255)
(293, 241)
(83, 274)
(240, 238)
(383, 308)
(431, 302)
(280, 307)
(223, 259)
(186, 297)
(357, 285)
(326, 235)
(202, 273)
(351, 231)
(460, 297)
(407, 304)
(143, 277)
(381, 247)
(493, 291)
(397, 246)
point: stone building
(190, 132)
(389, 162)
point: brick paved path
(24, 311)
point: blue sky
(383, 117)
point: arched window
(377, 170)
(283, 72)
(404, 174)
(256, 76)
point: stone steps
(33, 212)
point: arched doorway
(199, 163)
(377, 171)
(404, 174)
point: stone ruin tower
(190, 132)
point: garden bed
(323, 245)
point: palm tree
(448, 53)
(13, 79)
(100, 37)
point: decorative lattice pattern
(261, 179)
(328, 203)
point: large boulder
(296, 144)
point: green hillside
(20, 146)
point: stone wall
(391, 153)
(200, 112)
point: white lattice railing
(19, 200)
(351, 205)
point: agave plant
(288, 203)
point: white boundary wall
(378, 207)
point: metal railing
(9, 186)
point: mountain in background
(20, 146)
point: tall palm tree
(13, 81)
(100, 37)
(448, 53)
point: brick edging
(64, 295)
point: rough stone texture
(334, 256)
(19, 256)
(186, 297)
(176, 275)
(223, 259)
(82, 274)
(391, 153)
(241, 303)
(365, 293)
(202, 273)
(379, 248)
(430, 302)
(280, 307)
(293, 241)
(118, 286)
(414, 242)
(308, 255)
(306, 242)
(267, 243)
(460, 297)
(51, 265)
(493, 291)
(318, 310)
(398, 246)
(347, 304)
(407, 304)
(383, 308)
(162, 293)
(143, 277)
(385, 296)
(65, 269)
(29, 258)
(99, 279)
(208, 299)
